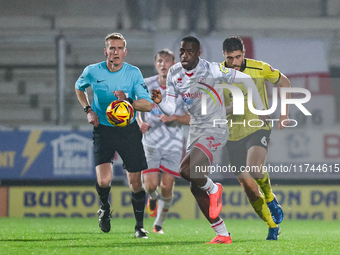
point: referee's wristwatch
(130, 100)
(87, 108)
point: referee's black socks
(103, 196)
(138, 203)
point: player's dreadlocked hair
(233, 43)
(192, 39)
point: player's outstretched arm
(167, 106)
(181, 119)
(156, 96)
(142, 104)
(144, 127)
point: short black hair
(233, 43)
(192, 39)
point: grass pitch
(83, 236)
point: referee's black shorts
(127, 141)
(237, 150)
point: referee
(111, 80)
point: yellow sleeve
(270, 74)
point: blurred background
(45, 141)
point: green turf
(82, 236)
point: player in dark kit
(111, 80)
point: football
(120, 113)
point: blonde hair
(164, 53)
(115, 36)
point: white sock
(163, 208)
(153, 195)
(210, 186)
(219, 228)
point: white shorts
(162, 160)
(208, 140)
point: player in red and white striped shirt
(163, 144)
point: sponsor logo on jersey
(145, 87)
(156, 111)
(188, 97)
(187, 101)
(179, 80)
(191, 95)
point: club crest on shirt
(179, 80)
(201, 79)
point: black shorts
(127, 141)
(237, 150)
